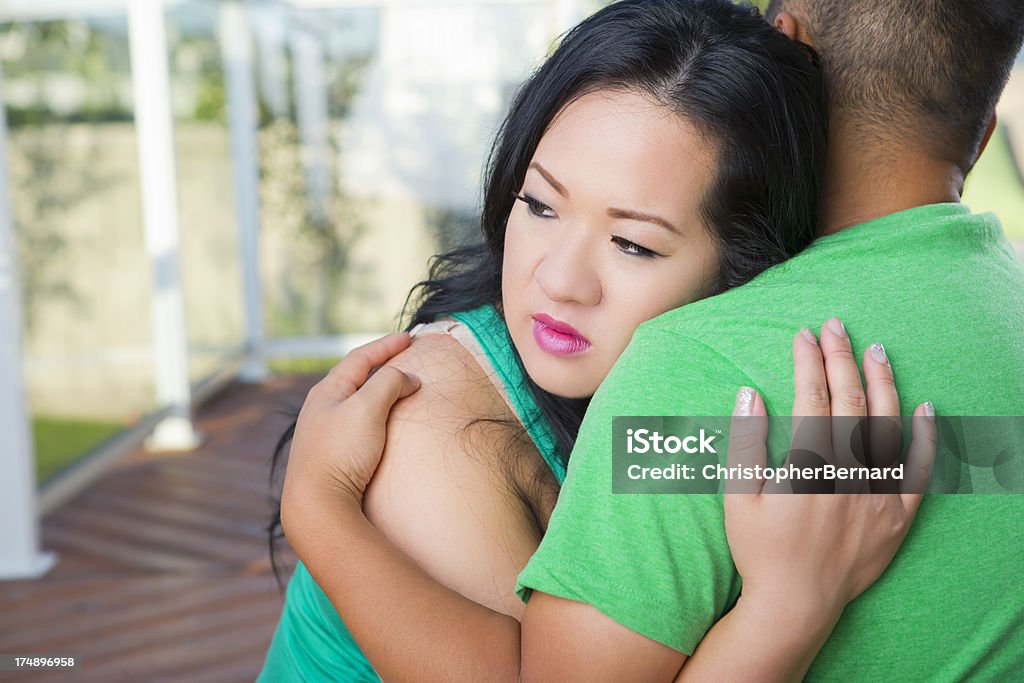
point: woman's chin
(567, 384)
(559, 375)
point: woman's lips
(557, 338)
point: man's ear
(786, 24)
(988, 134)
(791, 27)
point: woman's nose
(568, 274)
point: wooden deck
(163, 571)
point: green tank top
(311, 642)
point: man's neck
(868, 181)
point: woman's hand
(803, 557)
(340, 433)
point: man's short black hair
(928, 70)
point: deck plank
(163, 572)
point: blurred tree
(48, 193)
(42, 132)
(197, 72)
(316, 265)
(74, 72)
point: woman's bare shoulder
(443, 491)
(453, 384)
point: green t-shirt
(942, 289)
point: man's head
(920, 72)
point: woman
(665, 152)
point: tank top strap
(464, 336)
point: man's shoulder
(777, 292)
(673, 370)
(724, 327)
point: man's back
(944, 292)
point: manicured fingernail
(836, 326)
(745, 401)
(809, 336)
(929, 410)
(878, 353)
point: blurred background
(372, 121)
(372, 124)
(206, 193)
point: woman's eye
(537, 207)
(632, 248)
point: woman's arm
(386, 599)
(446, 490)
(455, 539)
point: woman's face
(605, 235)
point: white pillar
(311, 112)
(155, 133)
(20, 557)
(236, 42)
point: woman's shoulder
(445, 491)
(453, 382)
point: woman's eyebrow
(559, 187)
(627, 214)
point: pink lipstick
(558, 338)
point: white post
(236, 41)
(19, 511)
(311, 112)
(154, 129)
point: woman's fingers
(884, 426)
(812, 428)
(844, 385)
(373, 401)
(917, 470)
(810, 393)
(340, 443)
(883, 399)
(848, 400)
(351, 372)
(747, 433)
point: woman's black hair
(755, 95)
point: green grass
(995, 186)
(302, 366)
(61, 441)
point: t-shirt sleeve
(658, 564)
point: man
(913, 87)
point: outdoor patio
(163, 570)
